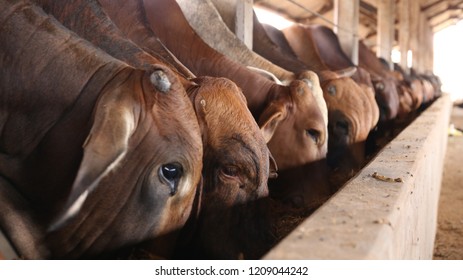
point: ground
(449, 237)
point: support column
(429, 64)
(243, 21)
(346, 18)
(414, 15)
(404, 32)
(385, 38)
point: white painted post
(404, 32)
(385, 38)
(415, 45)
(243, 21)
(346, 18)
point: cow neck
(129, 21)
(166, 18)
(66, 80)
(263, 45)
(98, 28)
(328, 47)
(302, 44)
(369, 61)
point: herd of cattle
(147, 124)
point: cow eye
(332, 90)
(230, 171)
(314, 135)
(170, 174)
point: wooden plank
(346, 17)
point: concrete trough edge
(374, 219)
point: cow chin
(242, 231)
(305, 186)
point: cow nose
(171, 174)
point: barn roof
(439, 13)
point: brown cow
(93, 159)
(280, 110)
(220, 37)
(413, 85)
(241, 142)
(385, 85)
(348, 126)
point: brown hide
(106, 165)
(384, 83)
(218, 94)
(220, 37)
(351, 110)
(274, 36)
(406, 96)
(166, 19)
(332, 55)
(411, 84)
(233, 221)
(88, 20)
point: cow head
(140, 169)
(349, 122)
(386, 96)
(237, 164)
(295, 126)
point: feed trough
(389, 209)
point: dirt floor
(449, 237)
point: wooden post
(428, 43)
(346, 18)
(423, 49)
(414, 30)
(404, 32)
(385, 38)
(429, 65)
(243, 21)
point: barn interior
(391, 28)
(399, 25)
(388, 208)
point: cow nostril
(170, 174)
(314, 134)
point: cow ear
(104, 148)
(271, 118)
